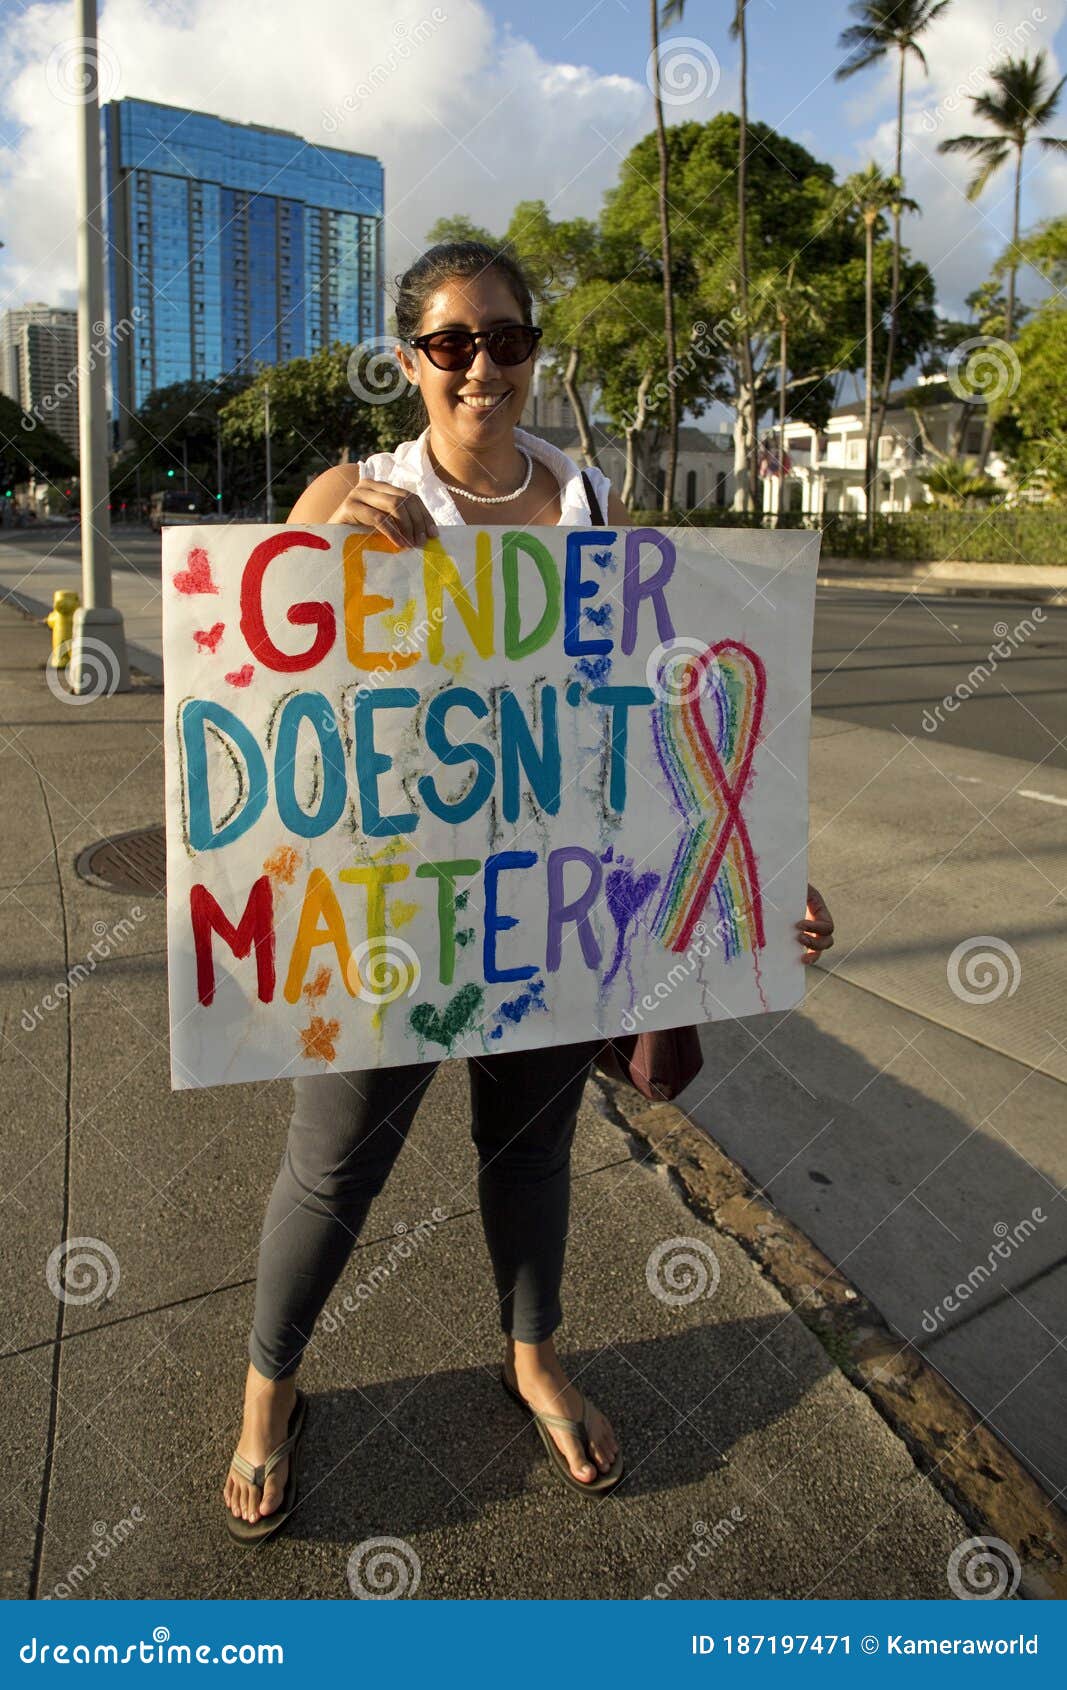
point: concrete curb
(949, 1441)
(946, 589)
(1033, 584)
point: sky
(473, 105)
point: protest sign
(515, 788)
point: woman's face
(456, 400)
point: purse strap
(595, 511)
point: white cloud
(465, 117)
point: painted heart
(208, 638)
(196, 577)
(241, 677)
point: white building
(826, 469)
(39, 365)
(704, 474)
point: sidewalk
(755, 1468)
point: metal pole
(98, 645)
(218, 462)
(185, 462)
(266, 428)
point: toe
(578, 1461)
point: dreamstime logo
(407, 1242)
(701, 345)
(681, 1270)
(384, 969)
(406, 37)
(374, 373)
(79, 69)
(688, 70)
(984, 368)
(83, 1270)
(983, 1569)
(706, 1539)
(105, 1539)
(677, 974)
(1007, 42)
(409, 644)
(67, 388)
(1007, 641)
(1008, 1240)
(106, 936)
(382, 1568)
(982, 969)
(98, 676)
(673, 672)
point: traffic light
(170, 472)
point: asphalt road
(884, 661)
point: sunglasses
(456, 349)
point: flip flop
(580, 1429)
(248, 1531)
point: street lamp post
(266, 430)
(98, 643)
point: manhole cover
(128, 862)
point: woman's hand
(390, 510)
(816, 931)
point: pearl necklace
(495, 498)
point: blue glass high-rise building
(229, 245)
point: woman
(464, 322)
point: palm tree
(1018, 101)
(665, 247)
(794, 305)
(674, 11)
(871, 192)
(957, 483)
(884, 27)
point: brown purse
(658, 1065)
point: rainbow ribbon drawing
(708, 773)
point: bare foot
(537, 1374)
(268, 1409)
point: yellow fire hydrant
(61, 621)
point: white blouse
(409, 466)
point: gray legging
(344, 1136)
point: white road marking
(1042, 797)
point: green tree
(1034, 415)
(1019, 101)
(174, 436)
(957, 483)
(460, 228)
(559, 258)
(29, 450)
(1045, 249)
(326, 409)
(886, 27)
(793, 208)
